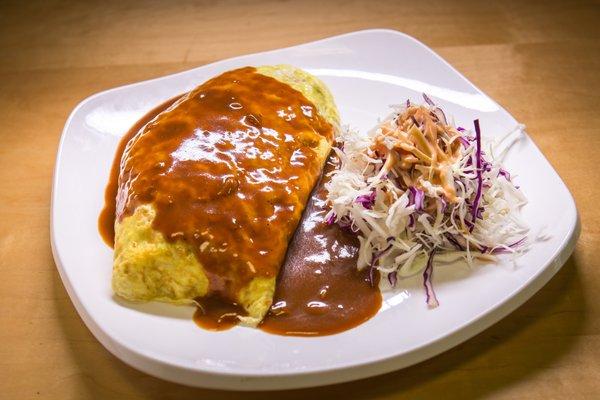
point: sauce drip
(106, 221)
(215, 314)
(319, 289)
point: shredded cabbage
(416, 186)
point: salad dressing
(416, 145)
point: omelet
(211, 190)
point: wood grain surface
(539, 59)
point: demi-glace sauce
(228, 168)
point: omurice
(209, 191)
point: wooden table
(541, 60)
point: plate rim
(155, 365)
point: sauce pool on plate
(319, 289)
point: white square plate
(366, 71)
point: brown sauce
(319, 289)
(216, 314)
(211, 178)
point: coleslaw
(418, 191)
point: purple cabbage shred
(416, 197)
(512, 246)
(479, 177)
(376, 256)
(366, 200)
(454, 242)
(345, 223)
(428, 100)
(414, 120)
(372, 276)
(430, 296)
(444, 205)
(393, 278)
(439, 113)
(331, 219)
(504, 173)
